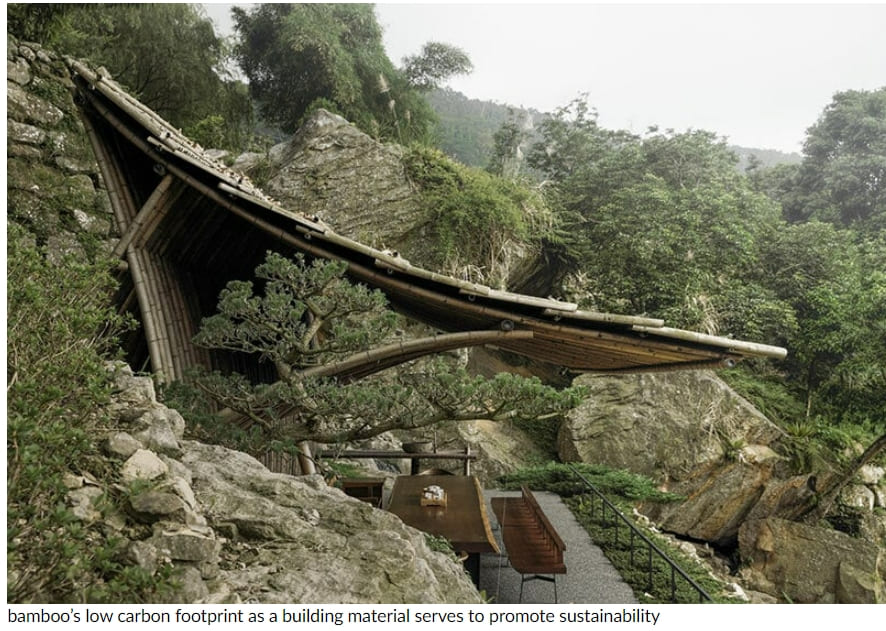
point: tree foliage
(842, 178)
(167, 55)
(436, 63)
(508, 144)
(828, 263)
(308, 315)
(664, 224)
(298, 54)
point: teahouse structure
(189, 224)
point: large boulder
(356, 184)
(232, 531)
(303, 541)
(807, 564)
(668, 426)
(716, 507)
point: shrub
(473, 212)
(61, 326)
(558, 478)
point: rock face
(235, 532)
(361, 189)
(53, 183)
(811, 565)
(355, 184)
(664, 425)
(690, 432)
(306, 542)
(687, 430)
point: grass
(61, 328)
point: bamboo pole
(176, 326)
(164, 367)
(180, 223)
(127, 302)
(150, 283)
(150, 207)
(751, 348)
(153, 290)
(595, 316)
(109, 169)
(520, 299)
(407, 350)
(172, 196)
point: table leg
(472, 566)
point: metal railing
(635, 535)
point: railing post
(651, 569)
(673, 584)
(632, 546)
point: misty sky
(758, 74)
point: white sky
(757, 74)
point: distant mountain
(766, 157)
(466, 127)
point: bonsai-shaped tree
(312, 324)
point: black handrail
(651, 547)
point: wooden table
(463, 521)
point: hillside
(466, 128)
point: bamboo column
(124, 219)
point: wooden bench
(534, 548)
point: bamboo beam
(596, 316)
(407, 350)
(156, 201)
(520, 299)
(751, 348)
(153, 222)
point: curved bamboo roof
(189, 224)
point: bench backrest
(542, 519)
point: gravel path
(589, 578)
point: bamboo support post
(152, 290)
(154, 204)
(153, 222)
(117, 204)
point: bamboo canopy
(189, 224)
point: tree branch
(827, 498)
